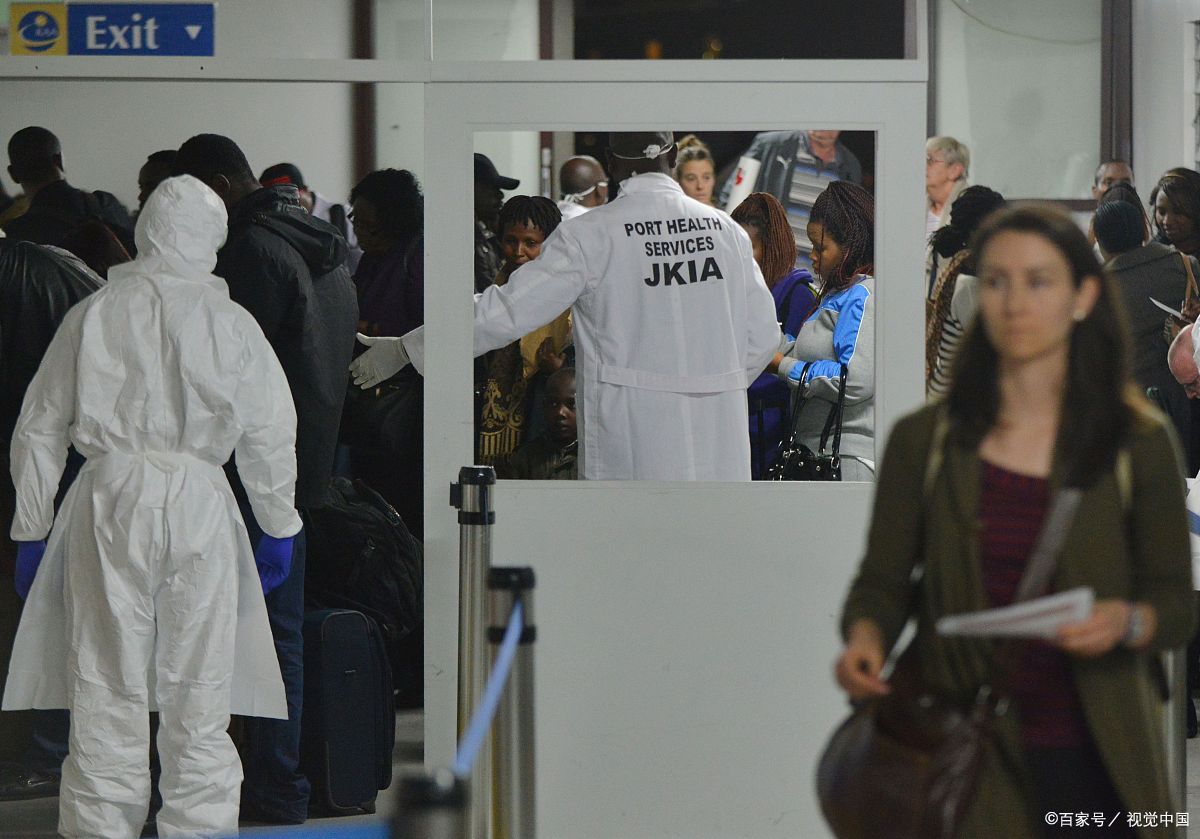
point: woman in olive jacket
(1040, 400)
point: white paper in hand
(1173, 312)
(1037, 618)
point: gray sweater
(840, 331)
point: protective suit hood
(183, 223)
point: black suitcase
(348, 725)
(362, 557)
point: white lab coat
(148, 596)
(662, 370)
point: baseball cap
(282, 173)
(485, 172)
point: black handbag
(797, 462)
(387, 418)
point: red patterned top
(1011, 509)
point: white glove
(385, 358)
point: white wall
(1026, 104)
(283, 28)
(108, 128)
(1163, 88)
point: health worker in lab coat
(672, 320)
(147, 595)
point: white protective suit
(672, 321)
(148, 596)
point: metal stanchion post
(1175, 722)
(431, 807)
(472, 495)
(515, 801)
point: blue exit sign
(140, 29)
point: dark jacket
(391, 288)
(37, 286)
(777, 151)
(541, 459)
(487, 257)
(289, 270)
(1130, 545)
(58, 209)
(1157, 271)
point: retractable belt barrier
(489, 793)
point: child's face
(560, 409)
(521, 242)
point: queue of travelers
(294, 335)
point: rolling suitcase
(362, 557)
(348, 725)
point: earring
(1080, 315)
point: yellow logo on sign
(37, 29)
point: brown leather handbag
(907, 765)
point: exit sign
(140, 29)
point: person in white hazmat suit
(147, 596)
(672, 321)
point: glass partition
(530, 184)
(272, 123)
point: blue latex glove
(274, 560)
(29, 557)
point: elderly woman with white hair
(947, 162)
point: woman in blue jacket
(840, 331)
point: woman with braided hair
(840, 332)
(945, 321)
(774, 246)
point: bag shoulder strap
(1124, 473)
(937, 449)
(1050, 538)
(1192, 292)
(834, 419)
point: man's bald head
(637, 152)
(34, 156)
(1181, 359)
(583, 181)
